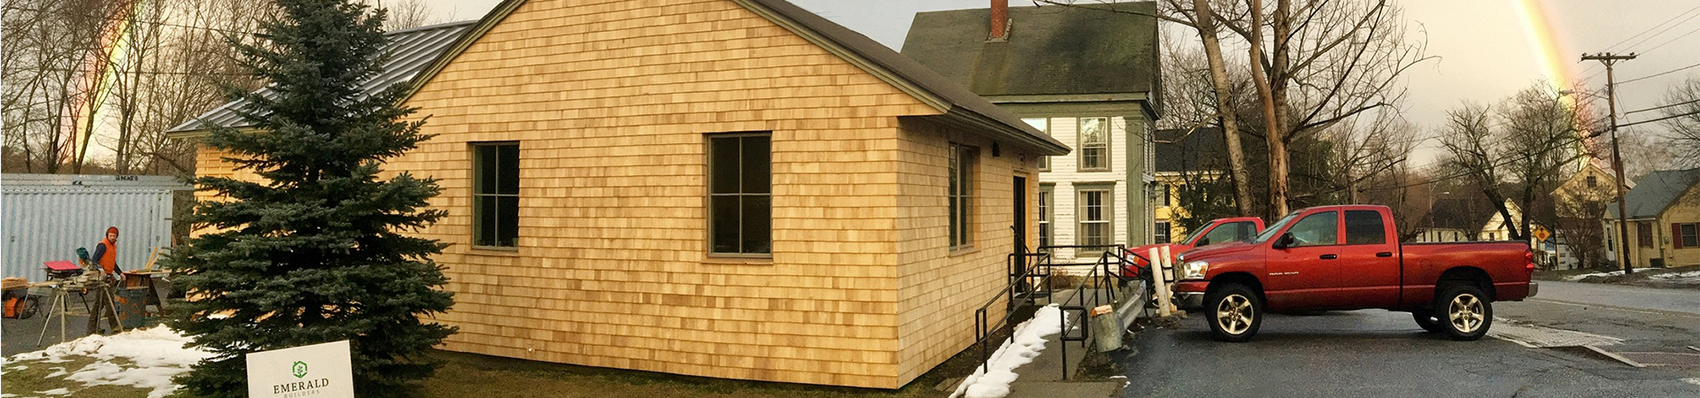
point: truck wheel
(1235, 312)
(1426, 319)
(1463, 311)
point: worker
(106, 254)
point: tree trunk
(1271, 125)
(1224, 105)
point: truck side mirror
(1283, 242)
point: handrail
(1103, 292)
(982, 325)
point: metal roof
(1655, 192)
(410, 51)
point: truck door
(1305, 272)
(1369, 260)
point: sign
(1541, 234)
(316, 371)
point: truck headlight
(1194, 269)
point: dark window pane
(757, 160)
(723, 165)
(507, 223)
(1318, 229)
(484, 208)
(484, 161)
(954, 173)
(1245, 231)
(966, 221)
(1364, 227)
(509, 173)
(725, 224)
(954, 239)
(1222, 234)
(758, 224)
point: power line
(116, 18)
(1632, 37)
(1673, 40)
(1661, 119)
(1666, 29)
(1660, 73)
(1662, 107)
(1673, 18)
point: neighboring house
(1664, 219)
(1495, 227)
(1580, 201)
(1454, 219)
(1182, 155)
(1087, 76)
(724, 188)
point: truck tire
(1235, 312)
(1426, 319)
(1464, 311)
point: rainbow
(100, 73)
(1556, 62)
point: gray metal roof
(410, 50)
(1051, 50)
(1655, 192)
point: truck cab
(1215, 232)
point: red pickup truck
(1347, 258)
(1215, 232)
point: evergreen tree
(314, 253)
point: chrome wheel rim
(1233, 314)
(1466, 313)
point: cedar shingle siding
(612, 104)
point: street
(1384, 354)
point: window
(1094, 144)
(1230, 232)
(962, 162)
(1161, 232)
(1592, 181)
(1096, 208)
(740, 194)
(1043, 124)
(495, 194)
(1320, 229)
(1364, 227)
(1688, 235)
(1644, 233)
(1046, 193)
(1164, 194)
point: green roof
(1051, 50)
(1655, 192)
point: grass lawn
(40, 378)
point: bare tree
(1681, 116)
(1519, 153)
(403, 14)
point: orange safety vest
(108, 260)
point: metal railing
(1023, 268)
(1102, 279)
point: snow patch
(56, 391)
(1692, 380)
(1679, 276)
(1574, 278)
(1028, 342)
(156, 355)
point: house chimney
(1000, 20)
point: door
(1020, 207)
(1302, 274)
(1369, 260)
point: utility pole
(1616, 155)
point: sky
(1486, 50)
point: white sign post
(317, 371)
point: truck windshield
(1279, 225)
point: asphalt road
(1376, 353)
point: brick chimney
(1000, 20)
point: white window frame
(1102, 146)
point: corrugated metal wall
(42, 224)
